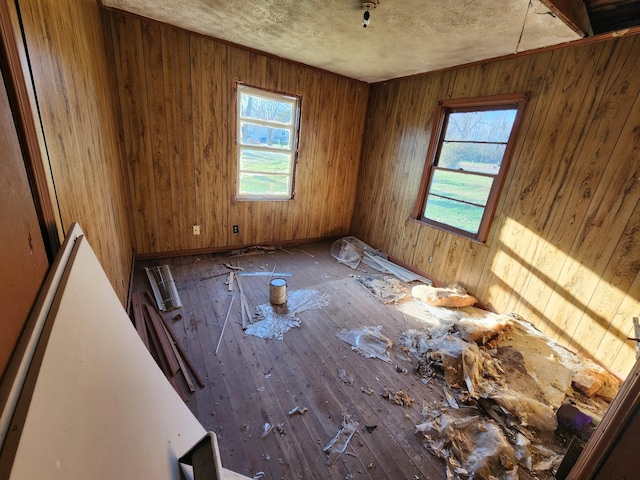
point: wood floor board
(236, 371)
(252, 381)
(214, 405)
(375, 449)
(282, 385)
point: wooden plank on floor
(183, 368)
(138, 318)
(163, 341)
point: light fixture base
(369, 4)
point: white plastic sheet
(367, 341)
(275, 321)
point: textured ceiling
(404, 37)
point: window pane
(450, 212)
(263, 184)
(461, 186)
(483, 126)
(255, 160)
(266, 109)
(473, 157)
(252, 134)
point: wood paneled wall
(564, 248)
(75, 96)
(177, 96)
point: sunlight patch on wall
(563, 297)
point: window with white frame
(267, 141)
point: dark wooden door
(23, 258)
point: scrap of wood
(244, 306)
(163, 340)
(255, 250)
(176, 386)
(230, 282)
(138, 318)
(183, 368)
(285, 250)
(224, 324)
(246, 254)
(184, 356)
(156, 347)
(271, 276)
(306, 253)
(213, 276)
(232, 267)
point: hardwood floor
(252, 381)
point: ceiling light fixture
(368, 5)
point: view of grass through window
(267, 124)
(471, 153)
(458, 199)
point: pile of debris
(156, 334)
(507, 386)
(512, 397)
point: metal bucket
(278, 291)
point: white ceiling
(404, 37)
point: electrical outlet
(236, 229)
(196, 229)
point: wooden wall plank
(185, 139)
(559, 250)
(158, 162)
(612, 287)
(172, 105)
(611, 211)
(620, 352)
(177, 177)
(547, 186)
(70, 70)
(215, 125)
(130, 92)
(196, 76)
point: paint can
(278, 291)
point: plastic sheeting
(350, 251)
(275, 321)
(483, 376)
(472, 446)
(338, 444)
(367, 341)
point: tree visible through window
(267, 130)
(468, 156)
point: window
(267, 134)
(468, 155)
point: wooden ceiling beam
(573, 13)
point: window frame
(294, 133)
(440, 119)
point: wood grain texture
(71, 72)
(23, 255)
(562, 250)
(252, 381)
(177, 98)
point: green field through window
(458, 199)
